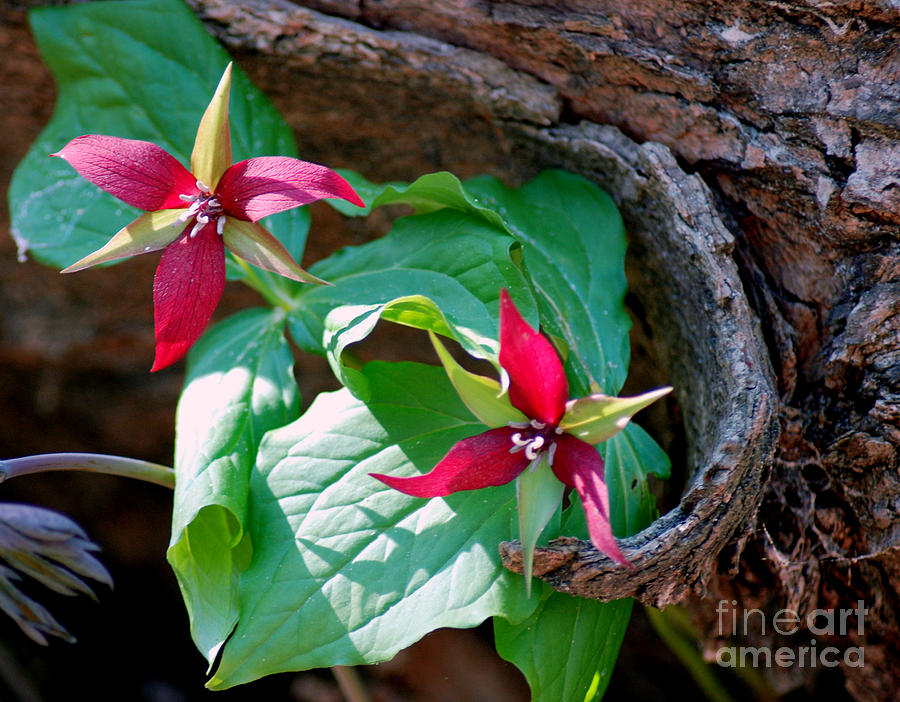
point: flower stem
(91, 463)
(253, 280)
(351, 683)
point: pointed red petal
(139, 173)
(258, 187)
(537, 383)
(188, 284)
(578, 464)
(477, 462)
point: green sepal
(151, 231)
(483, 396)
(539, 495)
(252, 242)
(211, 156)
(598, 417)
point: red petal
(477, 462)
(258, 187)
(188, 284)
(537, 383)
(139, 173)
(578, 465)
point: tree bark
(786, 115)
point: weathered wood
(790, 113)
(710, 347)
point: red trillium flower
(538, 432)
(195, 214)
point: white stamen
(537, 425)
(187, 198)
(213, 203)
(202, 187)
(203, 218)
(220, 225)
(531, 451)
(189, 212)
(558, 430)
(519, 425)
(519, 441)
(196, 230)
(551, 452)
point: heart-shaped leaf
(345, 570)
(239, 385)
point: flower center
(203, 207)
(535, 438)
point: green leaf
(457, 261)
(345, 570)
(570, 642)
(239, 385)
(574, 253)
(140, 69)
(630, 457)
(352, 323)
(565, 646)
(428, 193)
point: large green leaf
(239, 385)
(456, 260)
(567, 648)
(345, 570)
(574, 251)
(141, 69)
(573, 248)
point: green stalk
(270, 294)
(669, 627)
(91, 463)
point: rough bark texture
(756, 160)
(702, 328)
(789, 112)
